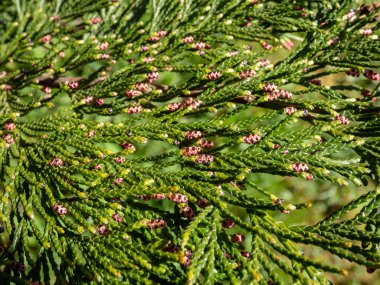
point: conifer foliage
(130, 133)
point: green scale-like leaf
(164, 142)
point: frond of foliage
(131, 133)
